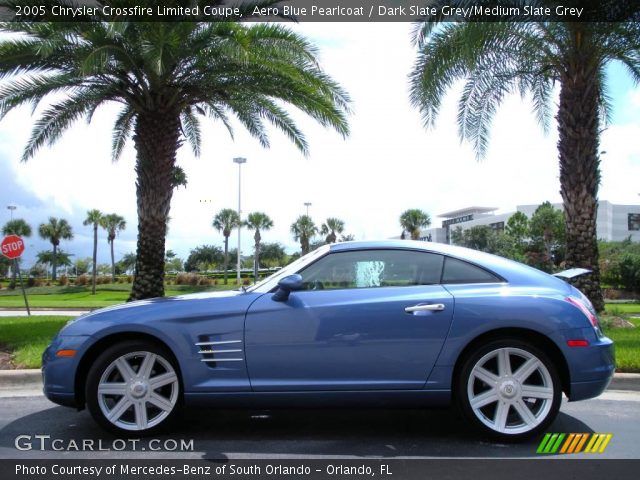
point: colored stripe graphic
(574, 442)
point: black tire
(510, 392)
(139, 391)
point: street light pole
(11, 208)
(239, 161)
(307, 204)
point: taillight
(588, 313)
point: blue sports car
(382, 324)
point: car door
(365, 320)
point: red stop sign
(12, 246)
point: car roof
(513, 272)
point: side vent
(223, 351)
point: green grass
(627, 341)
(27, 337)
(622, 308)
(81, 297)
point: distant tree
(58, 258)
(225, 221)
(258, 221)
(347, 238)
(128, 262)
(55, 230)
(113, 223)
(94, 218)
(331, 228)
(38, 270)
(5, 264)
(548, 237)
(414, 220)
(172, 264)
(303, 230)
(203, 257)
(82, 265)
(16, 227)
(272, 255)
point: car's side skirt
(334, 399)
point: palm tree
(258, 221)
(303, 230)
(500, 58)
(165, 76)
(22, 229)
(225, 221)
(331, 228)
(94, 217)
(414, 220)
(113, 223)
(55, 230)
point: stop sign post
(12, 247)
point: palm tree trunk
(54, 262)
(113, 264)
(95, 258)
(578, 124)
(156, 140)
(226, 257)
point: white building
(614, 222)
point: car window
(373, 268)
(457, 271)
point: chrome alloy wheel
(510, 390)
(138, 390)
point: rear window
(457, 271)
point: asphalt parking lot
(243, 434)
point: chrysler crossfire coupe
(378, 324)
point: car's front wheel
(510, 389)
(133, 387)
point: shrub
(31, 282)
(83, 280)
(246, 281)
(204, 281)
(63, 281)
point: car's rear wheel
(133, 387)
(509, 389)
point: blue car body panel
(345, 346)
(346, 339)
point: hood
(182, 307)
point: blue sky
(388, 164)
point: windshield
(290, 269)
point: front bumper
(58, 373)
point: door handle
(431, 307)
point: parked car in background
(380, 324)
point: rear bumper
(584, 390)
(591, 368)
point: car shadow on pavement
(221, 434)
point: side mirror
(287, 285)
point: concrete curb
(32, 379)
(20, 379)
(625, 381)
